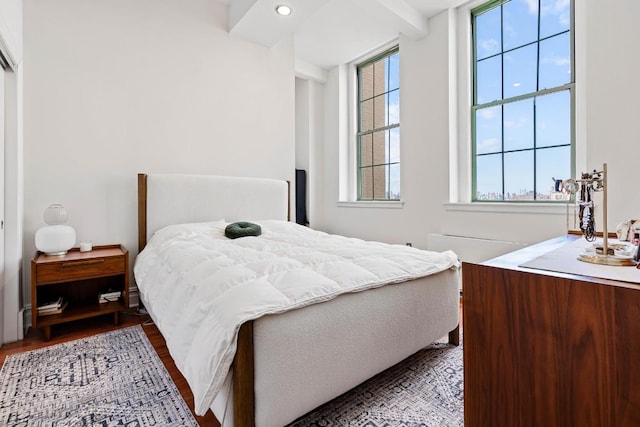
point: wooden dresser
(549, 349)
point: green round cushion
(242, 229)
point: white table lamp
(55, 238)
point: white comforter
(200, 286)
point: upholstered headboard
(165, 199)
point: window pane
(394, 72)
(366, 82)
(379, 147)
(394, 145)
(377, 143)
(487, 33)
(366, 183)
(489, 130)
(555, 17)
(489, 177)
(394, 107)
(518, 125)
(489, 80)
(553, 119)
(518, 175)
(380, 111)
(520, 23)
(387, 148)
(552, 163)
(555, 61)
(521, 48)
(394, 181)
(379, 181)
(366, 115)
(379, 71)
(520, 71)
(366, 150)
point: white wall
(607, 61)
(13, 204)
(308, 120)
(612, 94)
(606, 103)
(593, 21)
(113, 88)
(11, 29)
(303, 123)
(11, 44)
(424, 132)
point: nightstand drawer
(66, 271)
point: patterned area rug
(424, 390)
(111, 379)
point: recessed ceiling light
(283, 10)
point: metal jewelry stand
(604, 255)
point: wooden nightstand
(79, 277)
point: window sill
(519, 208)
(377, 204)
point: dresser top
(560, 249)
(74, 254)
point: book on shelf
(50, 311)
(51, 305)
(109, 296)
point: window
(378, 135)
(523, 99)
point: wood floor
(84, 328)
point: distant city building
(522, 195)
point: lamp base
(60, 253)
(607, 260)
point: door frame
(13, 316)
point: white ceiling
(331, 32)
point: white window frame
(349, 187)
(460, 170)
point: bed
(272, 365)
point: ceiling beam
(308, 71)
(411, 22)
(237, 10)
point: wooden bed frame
(243, 364)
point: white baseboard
(26, 318)
(21, 329)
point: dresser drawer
(79, 269)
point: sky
(512, 72)
(507, 53)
